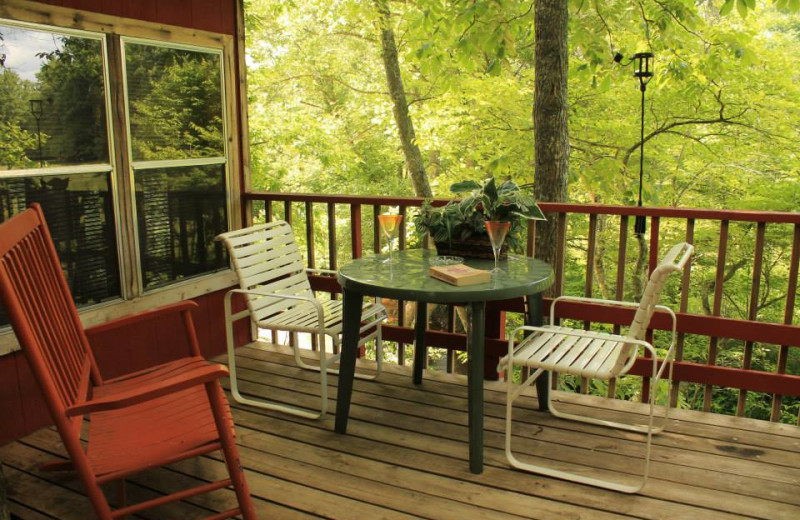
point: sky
(21, 47)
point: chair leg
(258, 403)
(122, 496)
(512, 393)
(230, 451)
(334, 359)
(638, 428)
(379, 350)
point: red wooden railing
(579, 230)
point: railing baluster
(316, 340)
(451, 327)
(287, 212)
(587, 289)
(312, 259)
(402, 231)
(333, 262)
(619, 289)
(376, 229)
(791, 292)
(561, 247)
(355, 230)
(684, 305)
(401, 321)
(752, 312)
(268, 210)
(719, 280)
(655, 230)
(530, 244)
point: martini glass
(390, 226)
(497, 231)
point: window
(175, 109)
(55, 150)
(161, 199)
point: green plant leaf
(727, 7)
(460, 187)
(741, 7)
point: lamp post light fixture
(644, 73)
(36, 112)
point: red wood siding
(117, 353)
(207, 15)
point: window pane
(51, 92)
(78, 209)
(175, 103)
(179, 212)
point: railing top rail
(550, 207)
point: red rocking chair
(147, 419)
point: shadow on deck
(405, 456)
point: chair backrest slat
(674, 261)
(266, 257)
(42, 313)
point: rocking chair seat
(124, 440)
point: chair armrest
(132, 319)
(230, 317)
(585, 299)
(200, 373)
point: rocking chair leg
(230, 451)
(122, 498)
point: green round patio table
(406, 278)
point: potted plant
(459, 227)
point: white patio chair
(591, 354)
(275, 285)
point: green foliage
(14, 144)
(71, 86)
(175, 101)
(17, 139)
(484, 201)
(721, 127)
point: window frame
(113, 32)
(171, 163)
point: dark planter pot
(478, 247)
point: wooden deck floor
(405, 456)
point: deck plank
(405, 457)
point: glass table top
(407, 278)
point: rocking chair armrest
(138, 317)
(203, 372)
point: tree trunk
(408, 140)
(550, 117)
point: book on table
(460, 274)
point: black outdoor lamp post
(36, 111)
(644, 74)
